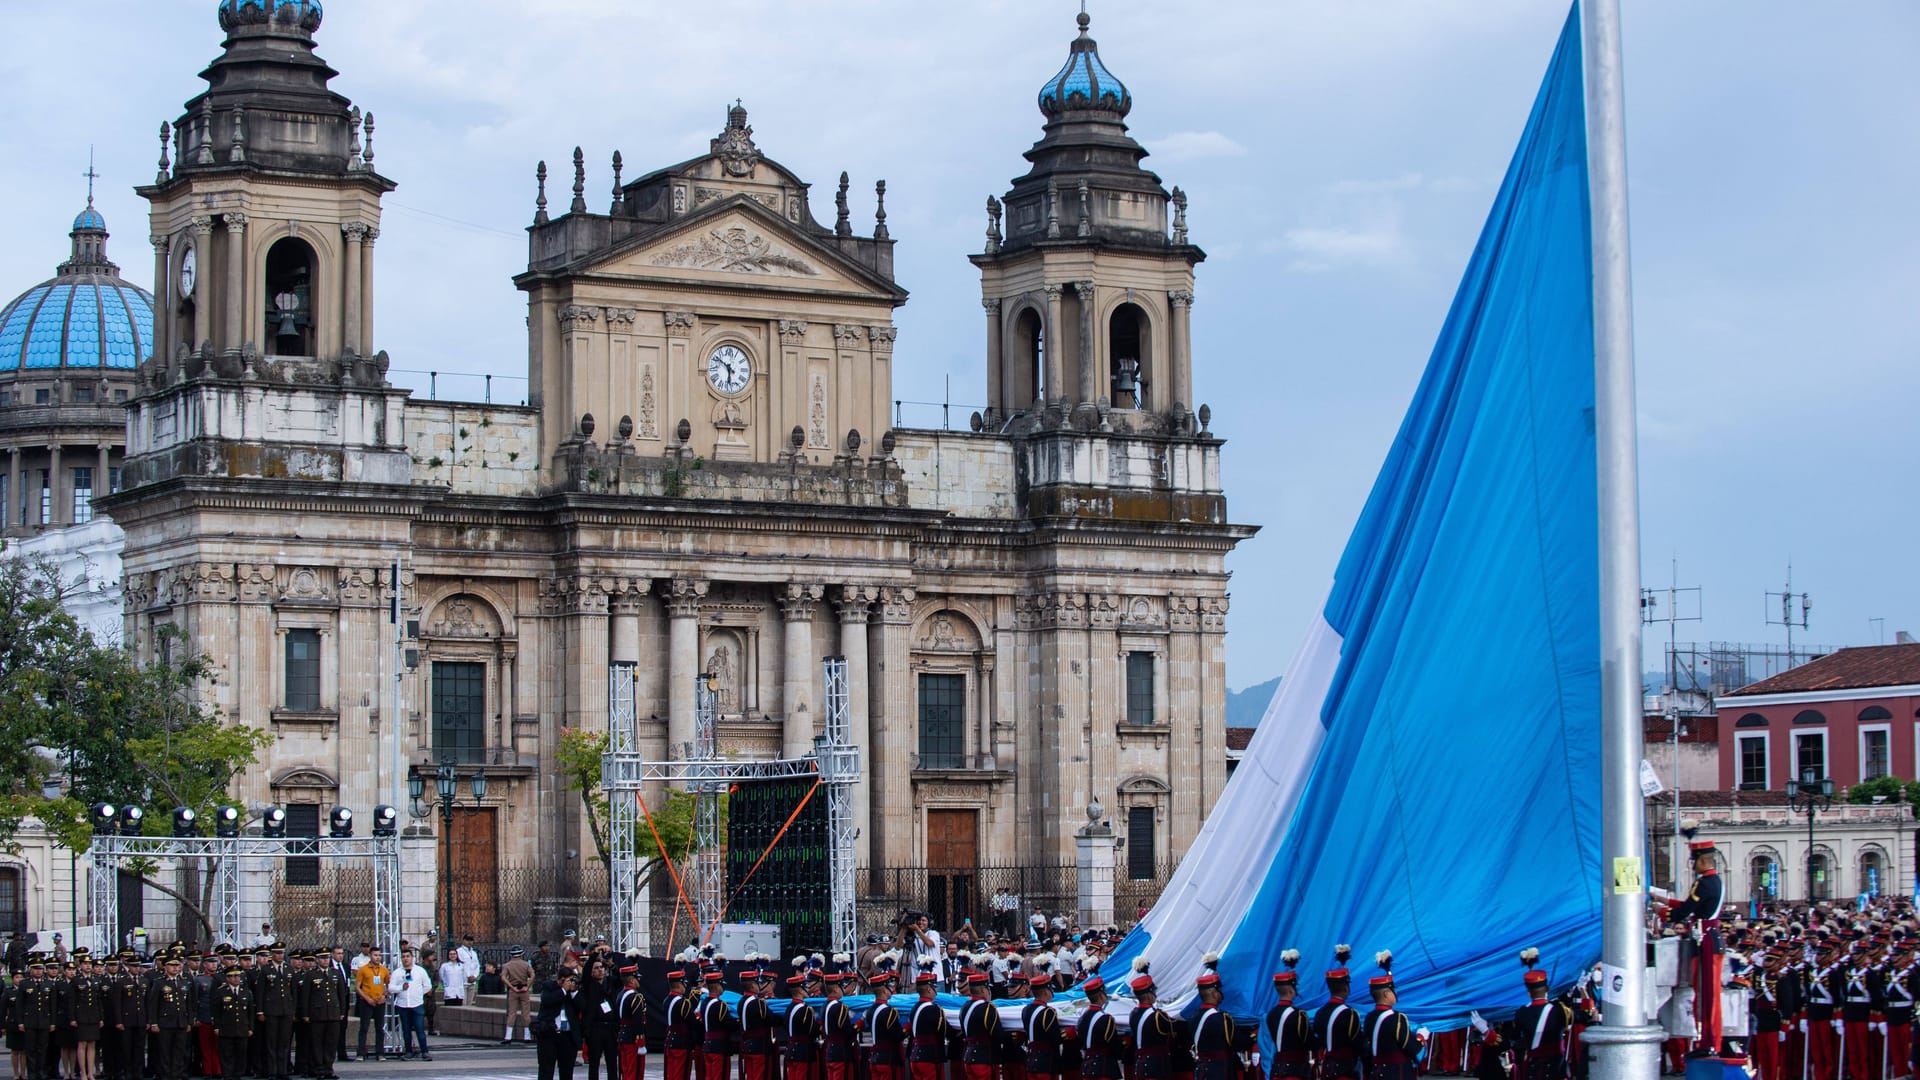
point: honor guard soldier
(1540, 1028)
(979, 1029)
(1289, 1027)
(1217, 1045)
(1701, 909)
(802, 1029)
(1389, 1044)
(321, 999)
(836, 1021)
(1152, 1031)
(1768, 1026)
(1823, 1018)
(169, 1016)
(885, 1034)
(757, 1050)
(127, 1019)
(1860, 1012)
(1901, 978)
(1102, 1048)
(1336, 1027)
(683, 1025)
(34, 1016)
(233, 1021)
(716, 1025)
(630, 1012)
(927, 1026)
(1041, 1024)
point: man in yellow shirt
(370, 1002)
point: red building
(1852, 715)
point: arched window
(1026, 373)
(1822, 868)
(1128, 364)
(1752, 719)
(1873, 873)
(1763, 876)
(291, 272)
(1810, 716)
(1874, 712)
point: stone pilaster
(682, 596)
(798, 601)
(854, 606)
(235, 300)
(894, 723)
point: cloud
(1194, 146)
(1317, 249)
(1404, 182)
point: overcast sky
(1340, 155)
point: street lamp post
(1811, 793)
(447, 783)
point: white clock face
(189, 271)
(729, 370)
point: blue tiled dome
(86, 317)
(1085, 84)
(304, 14)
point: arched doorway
(1026, 372)
(1873, 873)
(1821, 868)
(291, 272)
(1129, 371)
(1763, 876)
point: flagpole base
(1625, 1053)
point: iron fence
(337, 909)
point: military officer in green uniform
(35, 1016)
(169, 1018)
(232, 1021)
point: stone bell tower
(1086, 293)
(265, 211)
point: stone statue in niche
(726, 694)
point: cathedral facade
(704, 483)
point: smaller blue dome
(87, 316)
(1085, 84)
(304, 14)
(90, 219)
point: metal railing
(462, 385)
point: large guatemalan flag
(1427, 778)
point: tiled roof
(1847, 669)
(1238, 738)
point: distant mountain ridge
(1246, 707)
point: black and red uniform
(1702, 907)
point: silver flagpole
(1626, 1047)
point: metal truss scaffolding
(221, 857)
(624, 772)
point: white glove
(1881, 1027)
(1839, 1025)
(1803, 1025)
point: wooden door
(953, 861)
(473, 876)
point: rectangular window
(46, 497)
(1876, 756)
(119, 396)
(1810, 752)
(1753, 762)
(1139, 688)
(459, 712)
(113, 475)
(943, 709)
(303, 671)
(303, 820)
(1140, 843)
(82, 495)
(43, 396)
(83, 395)
(4, 504)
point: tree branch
(198, 913)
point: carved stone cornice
(1183, 613)
(1103, 611)
(578, 317)
(793, 329)
(1213, 614)
(679, 323)
(363, 584)
(855, 603)
(798, 600)
(683, 597)
(896, 605)
(1053, 611)
(256, 584)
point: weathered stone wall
(475, 449)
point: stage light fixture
(385, 820)
(340, 823)
(131, 819)
(185, 822)
(104, 814)
(226, 822)
(273, 823)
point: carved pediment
(740, 239)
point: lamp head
(226, 822)
(385, 820)
(340, 823)
(131, 819)
(185, 821)
(416, 784)
(477, 783)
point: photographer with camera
(918, 941)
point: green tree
(579, 758)
(1887, 788)
(90, 722)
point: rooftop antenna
(1675, 600)
(1879, 630)
(91, 177)
(1787, 617)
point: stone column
(683, 661)
(985, 699)
(1056, 359)
(103, 474)
(201, 329)
(163, 298)
(797, 604)
(355, 233)
(236, 292)
(10, 513)
(366, 289)
(853, 604)
(894, 724)
(1093, 846)
(995, 377)
(1089, 370)
(56, 511)
(1181, 383)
